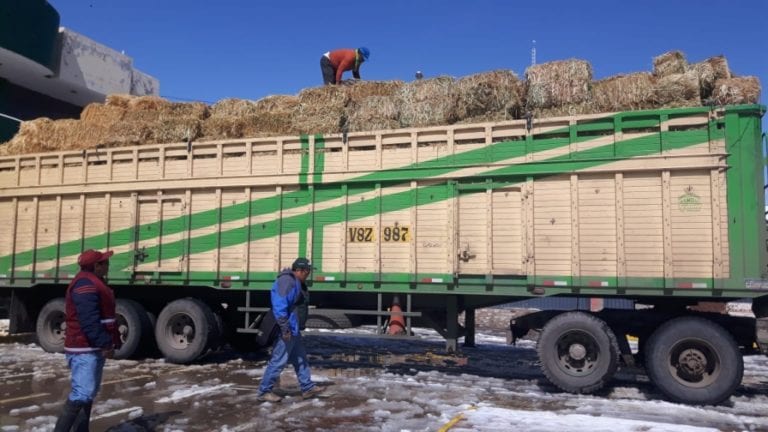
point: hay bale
(623, 92)
(321, 109)
(357, 91)
(44, 135)
(709, 71)
(488, 96)
(669, 63)
(565, 110)
(558, 83)
(372, 113)
(239, 118)
(677, 90)
(427, 102)
(154, 120)
(739, 90)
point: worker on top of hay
(334, 63)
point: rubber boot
(69, 414)
(84, 418)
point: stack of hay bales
(559, 88)
(676, 85)
(550, 89)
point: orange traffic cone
(396, 321)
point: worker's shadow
(145, 423)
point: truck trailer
(661, 207)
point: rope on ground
(457, 418)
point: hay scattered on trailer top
(677, 90)
(427, 102)
(739, 90)
(488, 96)
(558, 83)
(623, 92)
(669, 63)
(560, 88)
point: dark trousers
(329, 73)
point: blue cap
(365, 52)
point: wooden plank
(575, 248)
(667, 224)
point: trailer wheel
(693, 360)
(51, 324)
(135, 327)
(578, 352)
(183, 330)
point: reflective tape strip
(81, 350)
(108, 321)
(554, 283)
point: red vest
(75, 340)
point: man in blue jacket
(286, 296)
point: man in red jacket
(90, 338)
(334, 63)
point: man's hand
(108, 353)
(287, 336)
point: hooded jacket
(286, 296)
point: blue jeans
(86, 375)
(282, 353)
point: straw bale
(321, 109)
(360, 90)
(739, 90)
(623, 92)
(669, 63)
(488, 96)
(709, 71)
(565, 110)
(44, 134)
(239, 118)
(427, 102)
(373, 113)
(558, 83)
(677, 90)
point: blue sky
(209, 50)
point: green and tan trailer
(662, 207)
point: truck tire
(693, 360)
(578, 352)
(135, 327)
(331, 320)
(51, 323)
(184, 329)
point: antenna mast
(533, 54)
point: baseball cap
(91, 257)
(302, 263)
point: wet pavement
(371, 384)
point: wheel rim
(180, 331)
(694, 363)
(577, 353)
(123, 328)
(56, 326)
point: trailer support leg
(469, 326)
(451, 325)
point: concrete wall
(100, 69)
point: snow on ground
(372, 385)
(4, 323)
